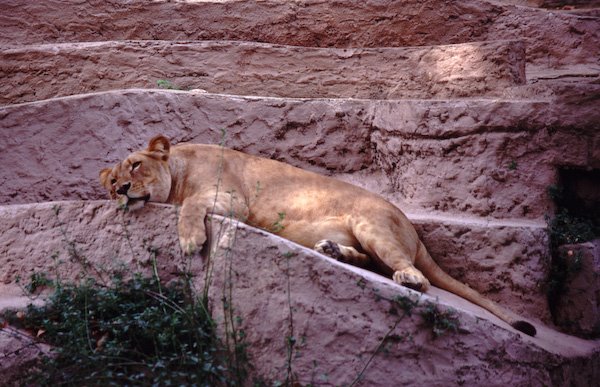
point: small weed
(38, 281)
(563, 266)
(566, 228)
(439, 321)
(167, 85)
(512, 166)
(278, 224)
(406, 304)
(291, 339)
(361, 283)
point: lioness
(331, 216)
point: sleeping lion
(335, 218)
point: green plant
(556, 193)
(563, 229)
(133, 332)
(278, 224)
(405, 303)
(567, 229)
(439, 321)
(168, 85)
(234, 341)
(36, 281)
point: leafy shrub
(566, 229)
(134, 332)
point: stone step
(569, 4)
(486, 158)
(553, 39)
(466, 70)
(484, 255)
(62, 237)
(558, 5)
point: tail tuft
(524, 327)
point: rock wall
(467, 161)
(464, 128)
(554, 39)
(578, 305)
(344, 320)
(247, 68)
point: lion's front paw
(412, 278)
(329, 248)
(190, 245)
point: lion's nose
(124, 188)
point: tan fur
(301, 206)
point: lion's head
(142, 177)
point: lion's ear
(104, 177)
(160, 145)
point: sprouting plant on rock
(440, 321)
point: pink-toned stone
(459, 166)
(337, 314)
(507, 262)
(18, 351)
(578, 311)
(246, 68)
(60, 238)
(475, 157)
(553, 38)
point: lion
(334, 218)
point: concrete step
(486, 158)
(553, 39)
(60, 238)
(466, 70)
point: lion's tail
(441, 279)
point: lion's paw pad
(329, 248)
(412, 278)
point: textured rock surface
(463, 160)
(553, 38)
(480, 157)
(297, 292)
(245, 68)
(506, 261)
(18, 351)
(579, 306)
(466, 250)
(92, 131)
(471, 173)
(59, 238)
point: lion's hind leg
(346, 254)
(392, 242)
